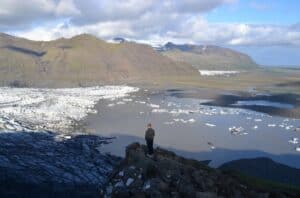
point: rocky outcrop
(168, 175)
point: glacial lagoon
(186, 125)
(198, 131)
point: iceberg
(237, 130)
(210, 125)
(294, 141)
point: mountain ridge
(84, 60)
(208, 56)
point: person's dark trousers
(150, 146)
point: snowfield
(217, 73)
(52, 109)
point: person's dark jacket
(150, 133)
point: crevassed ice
(54, 109)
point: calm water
(194, 130)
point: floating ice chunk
(192, 120)
(141, 102)
(111, 105)
(159, 111)
(142, 112)
(289, 127)
(297, 129)
(222, 112)
(210, 125)
(298, 149)
(249, 118)
(153, 105)
(169, 123)
(271, 125)
(179, 111)
(294, 141)
(120, 103)
(127, 100)
(184, 121)
(237, 130)
(211, 145)
(257, 120)
(255, 127)
(129, 181)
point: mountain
(84, 60)
(208, 56)
(265, 168)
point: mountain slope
(84, 60)
(265, 168)
(208, 57)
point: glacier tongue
(52, 109)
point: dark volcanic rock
(43, 165)
(169, 175)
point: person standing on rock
(149, 137)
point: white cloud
(67, 8)
(151, 21)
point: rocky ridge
(168, 175)
(208, 56)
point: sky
(267, 30)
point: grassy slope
(85, 60)
(213, 58)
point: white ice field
(32, 109)
(217, 73)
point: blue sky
(269, 31)
(280, 12)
